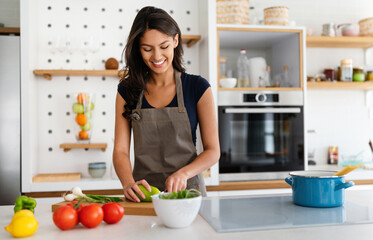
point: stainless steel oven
(261, 134)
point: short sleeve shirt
(194, 86)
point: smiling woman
(163, 104)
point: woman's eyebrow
(144, 44)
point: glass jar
(329, 74)
(346, 70)
(358, 74)
(369, 76)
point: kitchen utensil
(278, 15)
(366, 27)
(131, 208)
(177, 213)
(56, 177)
(318, 188)
(228, 82)
(347, 169)
(328, 29)
(257, 70)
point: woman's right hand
(131, 189)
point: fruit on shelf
(86, 127)
(78, 108)
(82, 98)
(83, 134)
(81, 119)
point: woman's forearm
(123, 168)
(203, 161)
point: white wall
(9, 13)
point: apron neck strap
(179, 94)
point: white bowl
(228, 82)
(177, 213)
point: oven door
(265, 140)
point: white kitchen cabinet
(279, 46)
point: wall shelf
(48, 73)
(339, 42)
(190, 40)
(68, 146)
(9, 30)
(340, 85)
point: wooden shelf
(8, 30)
(48, 73)
(260, 89)
(339, 42)
(68, 146)
(190, 40)
(367, 85)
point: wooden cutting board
(130, 208)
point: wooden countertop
(223, 186)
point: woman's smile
(159, 63)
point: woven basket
(366, 27)
(276, 16)
(232, 11)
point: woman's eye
(146, 50)
(164, 47)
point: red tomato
(65, 217)
(113, 212)
(91, 215)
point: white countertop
(150, 227)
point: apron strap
(179, 92)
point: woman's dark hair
(137, 72)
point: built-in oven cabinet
(278, 46)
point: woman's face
(157, 50)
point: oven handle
(262, 110)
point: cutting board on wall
(130, 208)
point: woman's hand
(176, 182)
(131, 189)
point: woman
(163, 105)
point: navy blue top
(194, 86)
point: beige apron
(163, 142)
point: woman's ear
(176, 40)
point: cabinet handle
(262, 110)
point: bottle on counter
(346, 70)
(242, 70)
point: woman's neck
(162, 79)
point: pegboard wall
(81, 34)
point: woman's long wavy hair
(137, 72)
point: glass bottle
(242, 70)
(285, 77)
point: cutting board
(56, 177)
(130, 208)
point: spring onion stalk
(77, 193)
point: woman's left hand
(176, 182)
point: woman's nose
(157, 54)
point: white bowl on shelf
(228, 82)
(177, 213)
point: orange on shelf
(81, 119)
(83, 134)
(82, 98)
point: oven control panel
(261, 97)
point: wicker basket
(366, 27)
(232, 11)
(276, 16)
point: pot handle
(289, 180)
(344, 185)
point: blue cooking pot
(318, 188)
